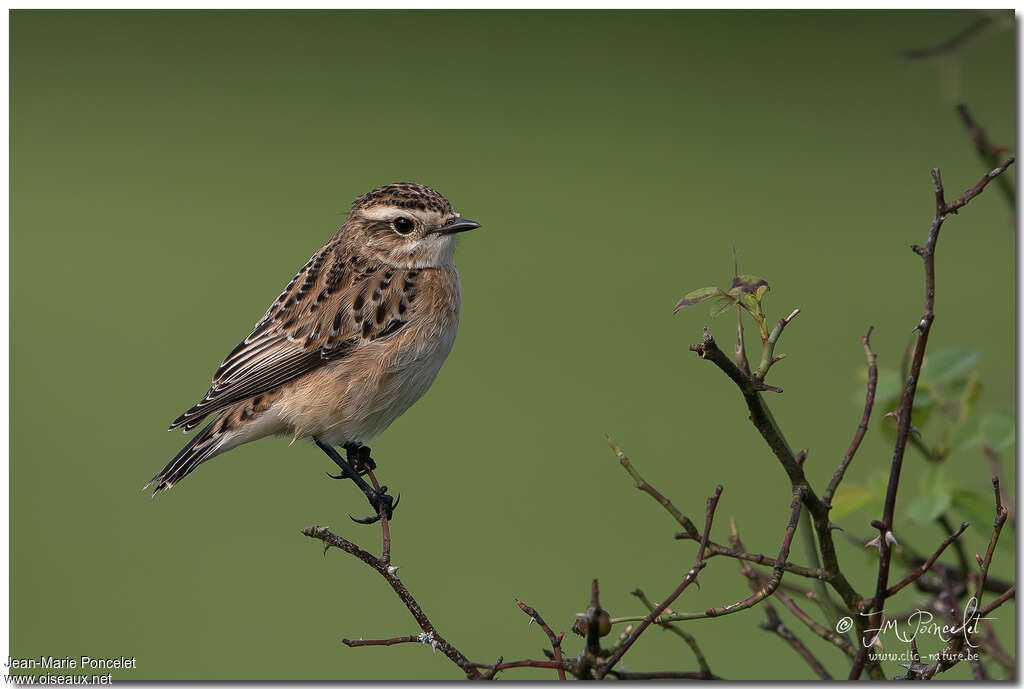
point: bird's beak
(456, 225)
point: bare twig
(766, 425)
(862, 427)
(917, 572)
(748, 602)
(686, 636)
(643, 485)
(757, 558)
(987, 151)
(411, 639)
(556, 641)
(1007, 595)
(950, 44)
(621, 674)
(992, 461)
(997, 528)
(958, 547)
(385, 529)
(774, 623)
(691, 576)
(430, 633)
(824, 632)
(923, 328)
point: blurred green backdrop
(171, 170)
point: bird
(354, 340)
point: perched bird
(356, 337)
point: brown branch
(499, 666)
(1007, 595)
(385, 529)
(824, 632)
(411, 639)
(750, 601)
(958, 547)
(923, 328)
(643, 485)
(757, 558)
(987, 151)
(862, 427)
(686, 636)
(927, 565)
(952, 653)
(997, 528)
(992, 461)
(431, 635)
(556, 641)
(621, 674)
(774, 623)
(950, 44)
(691, 576)
(765, 423)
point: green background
(171, 170)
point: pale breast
(358, 397)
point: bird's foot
(359, 457)
(358, 464)
(382, 503)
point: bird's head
(405, 225)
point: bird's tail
(202, 447)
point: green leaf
(697, 296)
(925, 508)
(878, 483)
(947, 364)
(936, 496)
(978, 509)
(965, 435)
(750, 284)
(997, 430)
(849, 498)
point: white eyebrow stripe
(385, 213)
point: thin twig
(411, 639)
(644, 486)
(950, 44)
(766, 425)
(862, 427)
(748, 602)
(385, 529)
(556, 641)
(432, 637)
(686, 636)
(757, 558)
(774, 623)
(958, 547)
(988, 152)
(691, 576)
(927, 565)
(923, 328)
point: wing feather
(334, 304)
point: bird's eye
(403, 225)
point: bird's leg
(379, 500)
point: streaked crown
(405, 195)
(406, 225)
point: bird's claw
(379, 499)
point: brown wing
(336, 303)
